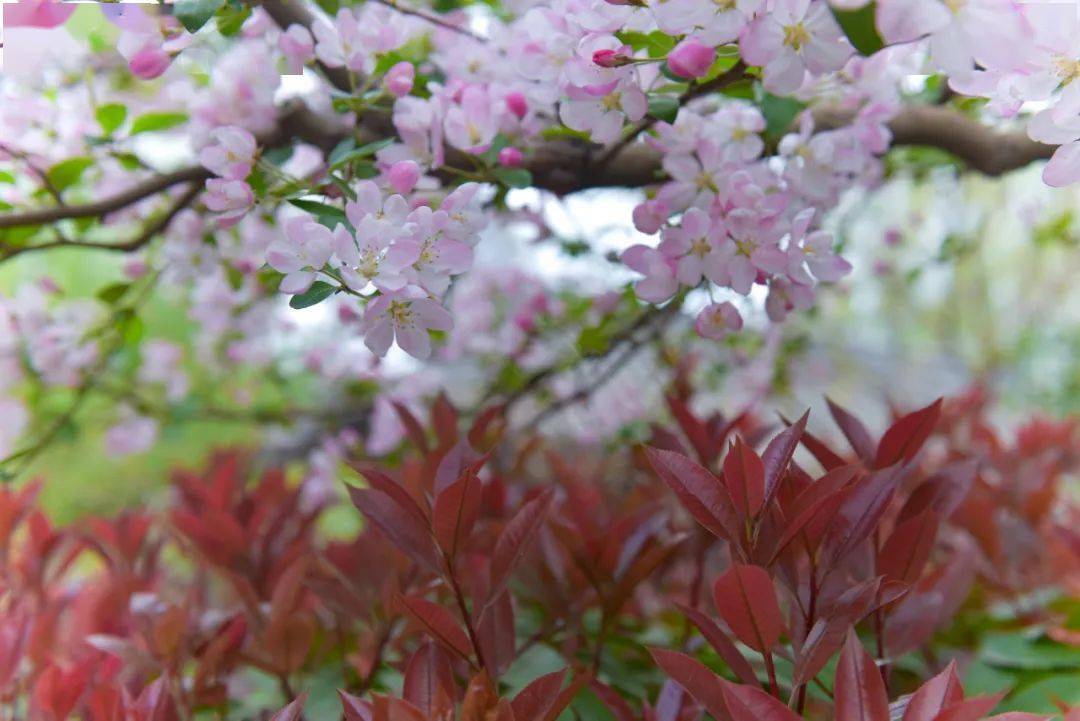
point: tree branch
(132, 195)
(982, 147)
(145, 236)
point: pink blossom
(37, 13)
(796, 36)
(133, 433)
(700, 247)
(470, 125)
(691, 58)
(399, 79)
(341, 44)
(403, 176)
(440, 256)
(307, 247)
(231, 199)
(813, 251)
(603, 117)
(405, 316)
(511, 157)
(650, 215)
(149, 62)
(231, 155)
(14, 418)
(161, 364)
(659, 283)
(785, 296)
(298, 47)
(613, 57)
(517, 104)
(757, 250)
(717, 319)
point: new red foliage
(477, 551)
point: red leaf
(943, 492)
(429, 681)
(934, 695)
(744, 475)
(444, 417)
(828, 632)
(859, 690)
(818, 449)
(812, 523)
(565, 697)
(533, 701)
(700, 492)
(515, 539)
(750, 703)
(972, 709)
(398, 524)
(615, 703)
(696, 431)
(456, 509)
(723, 645)
(905, 552)
(746, 600)
(293, 711)
(439, 623)
(854, 431)
(906, 436)
(354, 708)
(495, 632)
(865, 502)
(778, 455)
(413, 428)
(698, 681)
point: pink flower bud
(403, 176)
(691, 58)
(149, 63)
(135, 268)
(516, 104)
(612, 58)
(510, 157)
(399, 79)
(650, 215)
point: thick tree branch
(145, 236)
(289, 12)
(142, 189)
(981, 147)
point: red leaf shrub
(739, 575)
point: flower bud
(691, 58)
(399, 79)
(510, 157)
(517, 104)
(403, 176)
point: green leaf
(364, 151)
(860, 29)
(779, 113)
(157, 121)
(110, 117)
(113, 292)
(514, 177)
(230, 19)
(193, 14)
(6, 177)
(656, 44)
(317, 293)
(664, 107)
(68, 172)
(328, 215)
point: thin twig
(431, 18)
